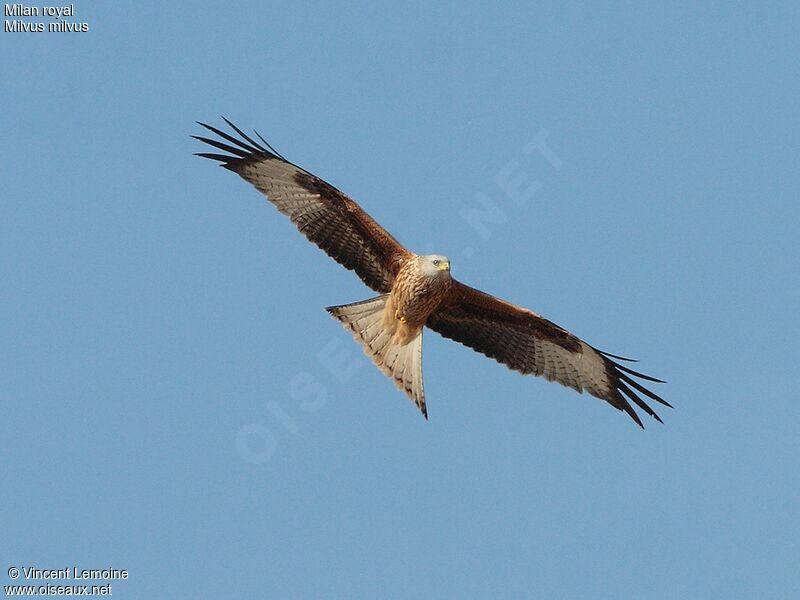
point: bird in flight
(417, 291)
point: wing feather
(323, 214)
(530, 344)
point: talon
(399, 317)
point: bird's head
(434, 265)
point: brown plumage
(418, 291)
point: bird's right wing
(529, 343)
(322, 213)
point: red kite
(418, 291)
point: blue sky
(179, 404)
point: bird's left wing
(322, 213)
(529, 343)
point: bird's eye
(436, 263)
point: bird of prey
(417, 291)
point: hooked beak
(444, 265)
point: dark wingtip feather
(223, 147)
(616, 356)
(268, 145)
(243, 148)
(620, 380)
(637, 400)
(632, 413)
(245, 136)
(640, 375)
(644, 390)
(233, 140)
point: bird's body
(420, 286)
(390, 326)
(417, 291)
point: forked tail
(401, 362)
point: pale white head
(435, 265)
